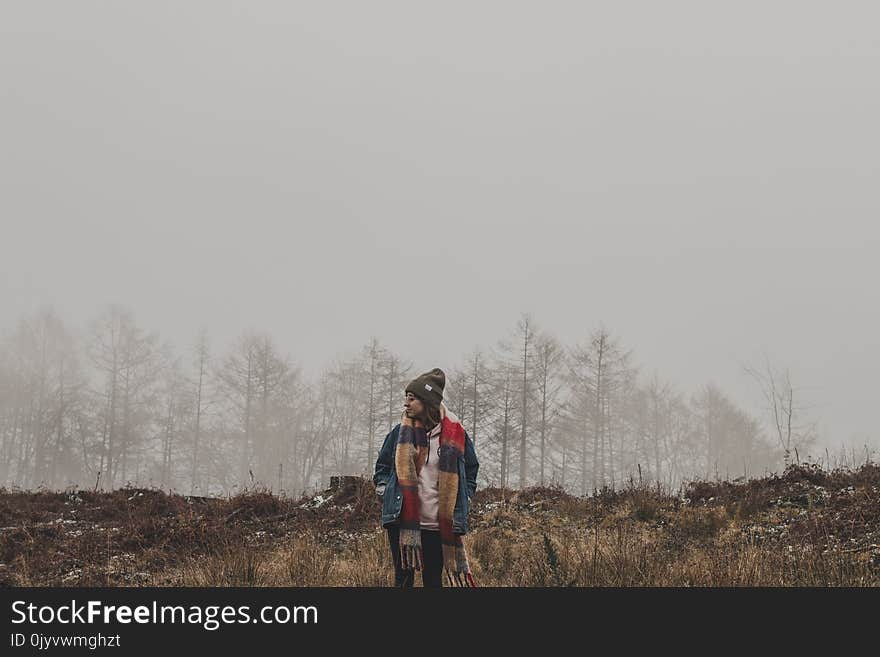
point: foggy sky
(701, 177)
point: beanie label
(428, 388)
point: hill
(805, 527)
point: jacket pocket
(391, 501)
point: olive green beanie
(429, 387)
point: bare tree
(237, 376)
(345, 383)
(727, 438)
(598, 370)
(503, 393)
(516, 352)
(128, 360)
(373, 356)
(789, 426)
(177, 397)
(526, 333)
(474, 378)
(202, 363)
(395, 375)
(274, 376)
(42, 386)
(549, 359)
(658, 397)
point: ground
(804, 527)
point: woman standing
(426, 474)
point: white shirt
(429, 483)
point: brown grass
(805, 527)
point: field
(806, 527)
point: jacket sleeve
(471, 465)
(385, 462)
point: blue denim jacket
(385, 475)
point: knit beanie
(428, 387)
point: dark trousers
(432, 559)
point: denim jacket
(385, 478)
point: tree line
(114, 405)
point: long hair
(432, 415)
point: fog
(699, 179)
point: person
(426, 473)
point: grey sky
(702, 177)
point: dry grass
(302, 561)
(803, 528)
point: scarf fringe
(411, 549)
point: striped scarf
(409, 455)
